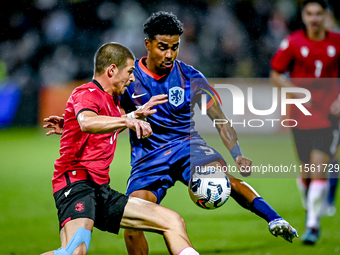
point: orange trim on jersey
(148, 72)
(168, 152)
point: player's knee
(79, 243)
(80, 250)
(175, 222)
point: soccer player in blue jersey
(175, 146)
(164, 158)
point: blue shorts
(160, 169)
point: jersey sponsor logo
(136, 96)
(80, 207)
(304, 51)
(91, 90)
(331, 51)
(67, 192)
(176, 96)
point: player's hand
(142, 128)
(335, 108)
(244, 165)
(55, 122)
(147, 110)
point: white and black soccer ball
(209, 189)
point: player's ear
(111, 70)
(147, 44)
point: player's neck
(152, 67)
(104, 84)
(316, 35)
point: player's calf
(136, 243)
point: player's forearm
(226, 131)
(228, 135)
(101, 124)
(279, 80)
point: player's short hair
(162, 23)
(323, 3)
(111, 53)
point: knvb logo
(239, 100)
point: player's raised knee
(175, 221)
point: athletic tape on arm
(82, 235)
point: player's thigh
(200, 157)
(324, 146)
(303, 140)
(140, 214)
(144, 194)
(110, 206)
(76, 200)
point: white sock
(316, 199)
(188, 251)
(303, 188)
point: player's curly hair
(323, 3)
(162, 23)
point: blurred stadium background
(47, 48)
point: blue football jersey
(173, 121)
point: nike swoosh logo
(67, 192)
(92, 90)
(136, 96)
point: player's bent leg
(241, 191)
(136, 243)
(75, 237)
(147, 216)
(247, 197)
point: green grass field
(28, 219)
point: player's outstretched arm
(90, 122)
(55, 122)
(230, 140)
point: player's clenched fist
(244, 165)
(142, 128)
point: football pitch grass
(28, 219)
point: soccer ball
(209, 189)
